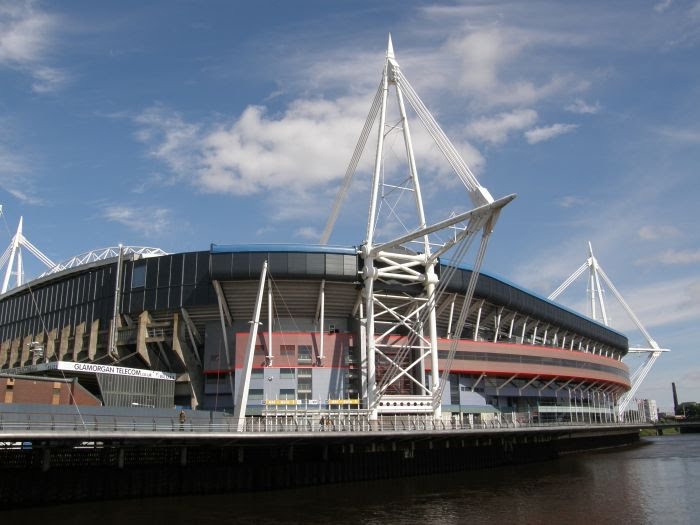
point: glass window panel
(287, 393)
(304, 356)
(255, 394)
(287, 373)
(138, 276)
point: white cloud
(652, 232)
(674, 257)
(298, 155)
(485, 57)
(570, 201)
(694, 11)
(308, 145)
(581, 107)
(536, 135)
(27, 36)
(496, 129)
(483, 53)
(171, 139)
(308, 233)
(10, 163)
(664, 303)
(662, 6)
(148, 220)
(48, 79)
(23, 33)
(16, 178)
(680, 135)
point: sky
(177, 124)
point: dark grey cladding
(167, 282)
(284, 265)
(170, 282)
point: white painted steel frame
(242, 397)
(385, 313)
(14, 252)
(653, 351)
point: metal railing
(18, 424)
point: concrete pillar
(50, 350)
(141, 334)
(78, 341)
(63, 345)
(94, 335)
(14, 352)
(187, 357)
(25, 354)
(4, 352)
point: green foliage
(690, 410)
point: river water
(655, 482)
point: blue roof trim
(537, 295)
(294, 248)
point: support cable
(437, 396)
(350, 171)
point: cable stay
(597, 304)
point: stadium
(188, 315)
(397, 326)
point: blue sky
(180, 123)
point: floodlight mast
(653, 351)
(401, 385)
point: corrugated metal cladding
(70, 300)
(503, 294)
(290, 265)
(167, 282)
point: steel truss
(597, 303)
(104, 253)
(399, 331)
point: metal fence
(337, 422)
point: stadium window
(138, 276)
(287, 393)
(304, 383)
(304, 357)
(255, 394)
(287, 350)
(287, 373)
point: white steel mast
(13, 257)
(653, 351)
(399, 328)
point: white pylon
(395, 379)
(13, 257)
(653, 351)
